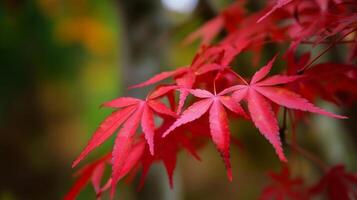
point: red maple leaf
(91, 172)
(218, 120)
(337, 184)
(332, 82)
(260, 90)
(167, 148)
(132, 112)
(282, 187)
(210, 59)
(228, 18)
(278, 4)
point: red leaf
(338, 184)
(261, 111)
(80, 184)
(158, 92)
(264, 119)
(263, 72)
(292, 100)
(160, 77)
(161, 108)
(278, 79)
(241, 93)
(279, 4)
(105, 130)
(217, 117)
(192, 113)
(94, 172)
(282, 186)
(185, 82)
(123, 144)
(209, 68)
(220, 132)
(201, 93)
(121, 102)
(232, 105)
(133, 158)
(148, 126)
(207, 32)
(97, 177)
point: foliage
(219, 92)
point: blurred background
(60, 59)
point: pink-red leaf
(240, 94)
(232, 89)
(263, 72)
(232, 105)
(192, 113)
(201, 93)
(123, 144)
(186, 82)
(207, 32)
(148, 126)
(132, 159)
(105, 130)
(218, 121)
(159, 77)
(209, 67)
(277, 80)
(161, 108)
(158, 92)
(279, 4)
(292, 100)
(264, 119)
(97, 177)
(121, 102)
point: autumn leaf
(261, 91)
(283, 186)
(337, 184)
(217, 117)
(132, 112)
(91, 172)
(278, 4)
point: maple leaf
(168, 147)
(217, 117)
(260, 90)
(278, 4)
(282, 186)
(131, 112)
(92, 172)
(227, 18)
(332, 82)
(293, 22)
(338, 184)
(215, 58)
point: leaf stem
(214, 83)
(310, 156)
(238, 76)
(340, 42)
(283, 128)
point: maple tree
(219, 91)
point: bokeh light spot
(182, 6)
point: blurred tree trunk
(142, 46)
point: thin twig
(310, 156)
(340, 42)
(324, 51)
(283, 128)
(238, 76)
